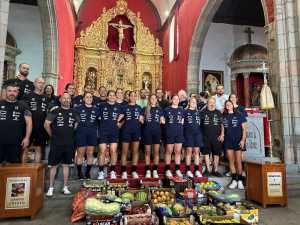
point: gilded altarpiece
(98, 65)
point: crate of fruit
(139, 196)
(162, 196)
(140, 219)
(211, 220)
(95, 185)
(103, 220)
(150, 183)
(179, 184)
(178, 221)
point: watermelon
(141, 196)
(127, 196)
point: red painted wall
(66, 38)
(175, 73)
(270, 6)
(92, 9)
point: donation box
(22, 190)
(266, 183)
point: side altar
(118, 51)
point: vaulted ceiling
(163, 7)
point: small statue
(147, 84)
(91, 79)
(120, 27)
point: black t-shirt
(25, 86)
(211, 122)
(63, 126)
(163, 103)
(12, 121)
(38, 105)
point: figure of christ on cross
(120, 27)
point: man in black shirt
(38, 105)
(163, 103)
(15, 118)
(60, 124)
(25, 85)
(213, 136)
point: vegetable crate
(102, 220)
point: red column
(246, 89)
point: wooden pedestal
(22, 190)
(266, 183)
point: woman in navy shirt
(234, 142)
(192, 137)
(174, 135)
(153, 116)
(131, 134)
(233, 98)
(110, 117)
(86, 134)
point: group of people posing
(80, 125)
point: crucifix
(120, 27)
(249, 32)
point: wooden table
(22, 190)
(266, 183)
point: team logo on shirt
(2, 107)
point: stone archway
(200, 32)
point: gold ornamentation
(117, 68)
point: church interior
(171, 45)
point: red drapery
(113, 35)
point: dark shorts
(193, 140)
(174, 136)
(38, 136)
(130, 135)
(233, 145)
(212, 146)
(10, 153)
(86, 137)
(60, 154)
(151, 136)
(108, 137)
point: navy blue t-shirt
(88, 116)
(174, 117)
(233, 126)
(192, 121)
(241, 109)
(109, 114)
(132, 115)
(152, 121)
(183, 104)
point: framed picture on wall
(211, 79)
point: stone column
(246, 89)
(4, 9)
(233, 84)
(50, 69)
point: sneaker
(124, 175)
(233, 185)
(206, 173)
(228, 174)
(50, 192)
(148, 174)
(135, 175)
(169, 174)
(217, 174)
(66, 190)
(189, 174)
(179, 174)
(113, 175)
(198, 173)
(100, 175)
(155, 174)
(240, 185)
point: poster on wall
(211, 79)
(255, 143)
(274, 182)
(17, 193)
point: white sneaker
(50, 192)
(155, 174)
(113, 175)
(228, 174)
(179, 174)
(233, 184)
(240, 185)
(189, 174)
(135, 175)
(124, 175)
(198, 173)
(169, 174)
(148, 174)
(66, 191)
(100, 175)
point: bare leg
(230, 156)
(147, 154)
(238, 159)
(66, 174)
(135, 151)
(188, 156)
(113, 153)
(125, 147)
(197, 157)
(80, 155)
(216, 162)
(156, 154)
(38, 153)
(101, 155)
(90, 155)
(169, 151)
(52, 175)
(178, 148)
(207, 163)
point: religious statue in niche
(91, 78)
(147, 81)
(255, 96)
(211, 79)
(120, 34)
